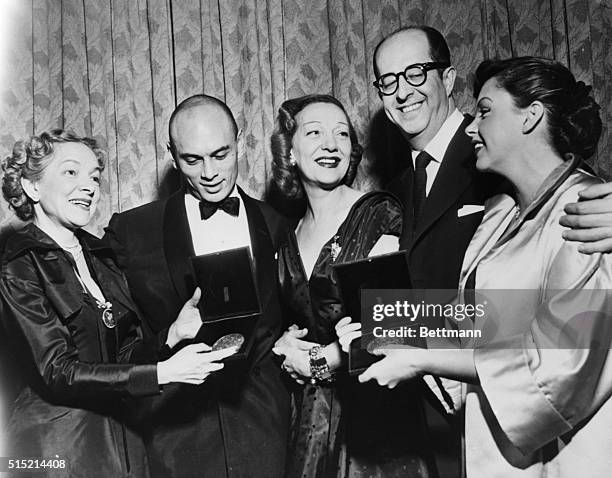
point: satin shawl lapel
(498, 216)
(546, 190)
(263, 251)
(178, 247)
(107, 273)
(454, 177)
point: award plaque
(229, 305)
(386, 271)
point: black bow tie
(230, 205)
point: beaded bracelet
(319, 368)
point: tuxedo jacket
(234, 424)
(436, 245)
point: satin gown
(348, 429)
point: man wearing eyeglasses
(442, 192)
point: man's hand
(188, 322)
(590, 219)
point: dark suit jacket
(235, 424)
(435, 249)
(437, 244)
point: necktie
(230, 205)
(419, 190)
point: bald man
(235, 424)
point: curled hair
(572, 115)
(285, 175)
(29, 159)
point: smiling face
(419, 111)
(496, 131)
(322, 145)
(206, 151)
(68, 191)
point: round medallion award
(107, 314)
(228, 341)
(380, 342)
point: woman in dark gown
(316, 153)
(73, 324)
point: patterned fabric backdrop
(115, 69)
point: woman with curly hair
(315, 157)
(535, 391)
(73, 324)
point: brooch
(107, 314)
(335, 248)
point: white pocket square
(469, 209)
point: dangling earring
(292, 160)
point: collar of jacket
(546, 190)
(31, 237)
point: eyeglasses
(415, 75)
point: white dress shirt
(219, 232)
(438, 145)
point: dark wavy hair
(572, 115)
(29, 159)
(285, 174)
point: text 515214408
(16, 464)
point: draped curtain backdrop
(115, 69)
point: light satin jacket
(543, 406)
